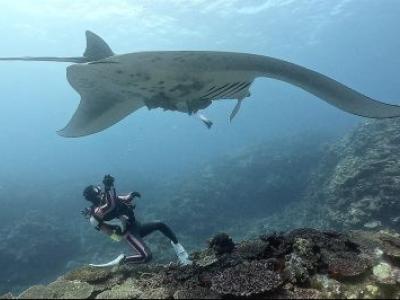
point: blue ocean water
(354, 41)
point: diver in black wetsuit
(107, 206)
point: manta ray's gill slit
(211, 89)
(238, 89)
(206, 96)
(223, 92)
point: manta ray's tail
(328, 89)
(96, 49)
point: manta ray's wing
(327, 89)
(101, 105)
(96, 49)
(97, 112)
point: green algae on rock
(7, 296)
(89, 274)
(59, 290)
(126, 290)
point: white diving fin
(112, 263)
(204, 119)
(182, 255)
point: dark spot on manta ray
(179, 59)
(119, 72)
(146, 77)
(143, 76)
(161, 82)
(132, 94)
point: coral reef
(247, 279)
(304, 263)
(355, 185)
(360, 178)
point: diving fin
(235, 110)
(118, 261)
(206, 121)
(181, 253)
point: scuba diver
(107, 206)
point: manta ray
(113, 86)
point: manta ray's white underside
(113, 86)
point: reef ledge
(304, 263)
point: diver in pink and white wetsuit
(107, 206)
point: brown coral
(7, 296)
(255, 249)
(59, 290)
(347, 266)
(221, 244)
(391, 246)
(195, 293)
(245, 280)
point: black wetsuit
(121, 207)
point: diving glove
(108, 181)
(183, 256)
